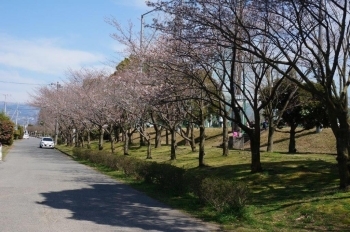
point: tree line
(8, 130)
(218, 56)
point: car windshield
(47, 139)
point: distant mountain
(22, 113)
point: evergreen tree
(305, 111)
(7, 129)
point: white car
(47, 142)
(26, 136)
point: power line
(19, 83)
(9, 108)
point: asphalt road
(45, 190)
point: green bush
(110, 161)
(18, 134)
(223, 195)
(167, 177)
(7, 130)
(193, 185)
(77, 152)
(140, 168)
(97, 156)
(81, 153)
(128, 165)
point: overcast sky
(41, 39)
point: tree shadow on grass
(289, 186)
(281, 181)
(287, 139)
(182, 142)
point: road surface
(45, 190)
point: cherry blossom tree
(310, 37)
(313, 38)
(207, 39)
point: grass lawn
(294, 192)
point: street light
(141, 34)
(56, 120)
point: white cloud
(43, 56)
(15, 87)
(28, 64)
(131, 3)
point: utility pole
(16, 116)
(56, 120)
(5, 95)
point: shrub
(6, 131)
(81, 153)
(125, 163)
(140, 166)
(193, 185)
(110, 161)
(77, 152)
(96, 156)
(18, 134)
(100, 157)
(130, 165)
(167, 177)
(223, 195)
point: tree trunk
(342, 134)
(100, 141)
(187, 133)
(343, 158)
(254, 136)
(224, 137)
(158, 137)
(270, 138)
(193, 139)
(173, 144)
(111, 140)
(142, 139)
(166, 136)
(149, 154)
(292, 148)
(82, 139)
(72, 140)
(201, 145)
(78, 140)
(126, 143)
(117, 134)
(123, 136)
(255, 153)
(129, 134)
(88, 139)
(75, 138)
(69, 137)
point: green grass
(294, 192)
